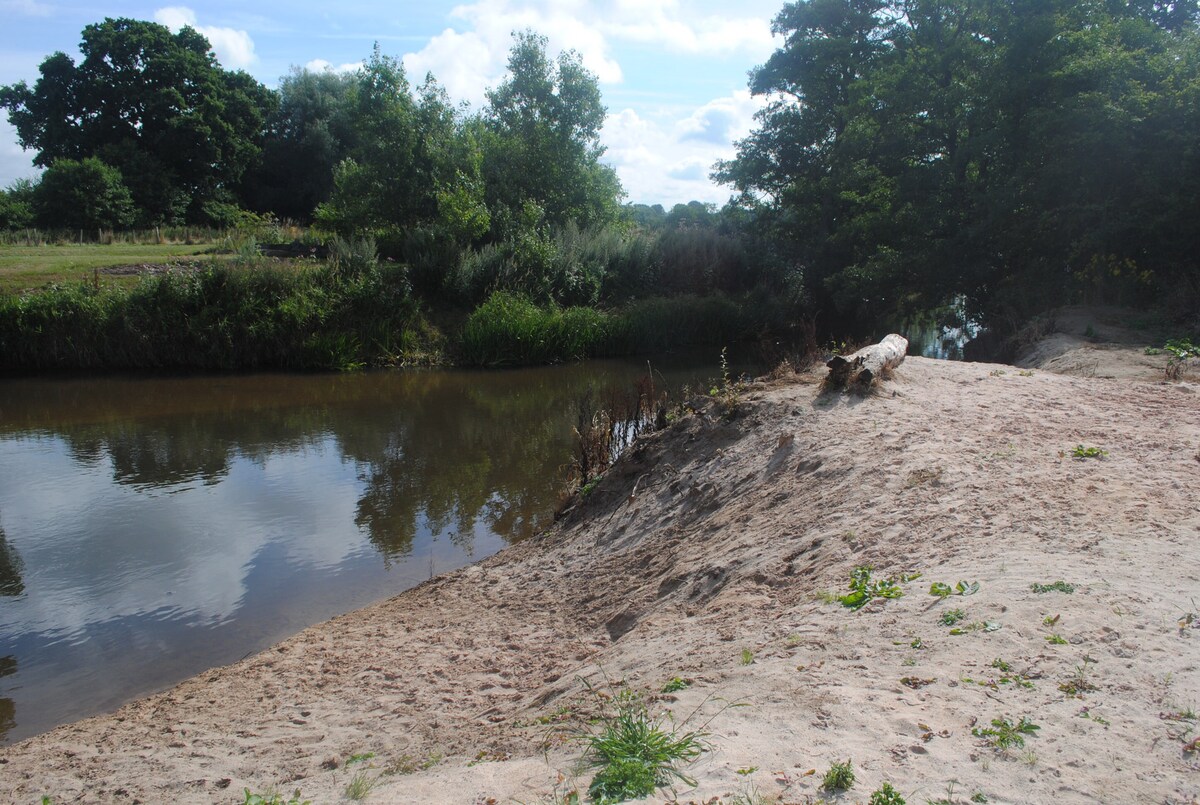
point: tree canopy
(154, 105)
(1010, 154)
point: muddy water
(153, 528)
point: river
(151, 528)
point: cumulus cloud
(468, 62)
(234, 48)
(668, 160)
(662, 22)
(722, 120)
(320, 66)
(26, 8)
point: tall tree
(155, 105)
(542, 155)
(307, 135)
(1006, 153)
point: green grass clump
(840, 777)
(1059, 586)
(633, 753)
(886, 795)
(1003, 734)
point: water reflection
(154, 528)
(10, 571)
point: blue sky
(673, 72)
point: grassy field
(23, 267)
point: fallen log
(859, 370)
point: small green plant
(747, 657)
(976, 626)
(747, 771)
(979, 796)
(1079, 682)
(272, 798)
(962, 588)
(676, 684)
(1059, 586)
(840, 777)
(1056, 640)
(951, 617)
(886, 795)
(1003, 734)
(1088, 452)
(360, 785)
(863, 588)
(633, 753)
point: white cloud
(27, 8)
(662, 22)
(320, 66)
(668, 161)
(234, 48)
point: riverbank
(714, 553)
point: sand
(714, 552)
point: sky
(673, 73)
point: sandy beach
(714, 552)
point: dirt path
(710, 554)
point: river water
(153, 528)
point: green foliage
(542, 142)
(951, 617)
(1182, 349)
(152, 104)
(1019, 155)
(863, 588)
(634, 753)
(1059, 586)
(676, 684)
(886, 795)
(16, 205)
(962, 588)
(83, 194)
(1003, 734)
(840, 777)
(311, 127)
(509, 330)
(220, 317)
(1056, 640)
(747, 657)
(274, 798)
(1088, 452)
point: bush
(83, 194)
(510, 330)
(221, 317)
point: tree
(543, 147)
(16, 205)
(1001, 154)
(82, 194)
(307, 135)
(406, 152)
(155, 105)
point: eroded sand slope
(721, 535)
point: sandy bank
(720, 536)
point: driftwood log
(859, 370)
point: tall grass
(510, 330)
(253, 316)
(266, 231)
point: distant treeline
(987, 160)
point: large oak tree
(153, 104)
